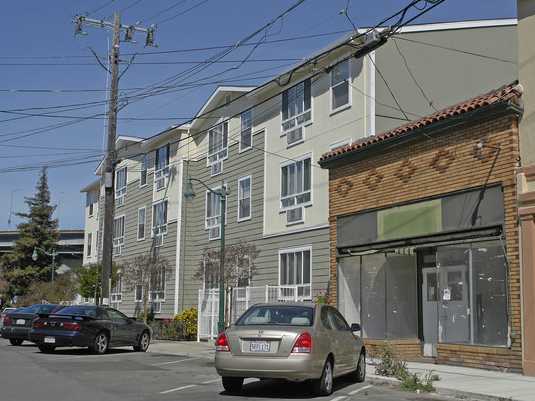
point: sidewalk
(454, 381)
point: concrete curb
(448, 392)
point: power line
(418, 85)
(176, 4)
(134, 3)
(101, 7)
(164, 20)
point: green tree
(90, 278)
(40, 230)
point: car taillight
(7, 320)
(303, 344)
(71, 326)
(38, 324)
(221, 343)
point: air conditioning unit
(214, 232)
(158, 240)
(294, 136)
(119, 201)
(216, 168)
(294, 215)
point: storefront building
(424, 234)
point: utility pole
(108, 175)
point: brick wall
(447, 162)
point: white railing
(241, 299)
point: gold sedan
(292, 341)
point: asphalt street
(75, 375)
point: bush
(391, 365)
(188, 320)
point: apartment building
(262, 144)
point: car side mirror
(355, 327)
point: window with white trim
(89, 243)
(157, 290)
(138, 293)
(246, 133)
(116, 294)
(296, 111)
(295, 272)
(213, 214)
(244, 198)
(161, 167)
(120, 185)
(118, 235)
(141, 219)
(296, 189)
(340, 93)
(91, 199)
(217, 147)
(159, 221)
(143, 173)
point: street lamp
(53, 254)
(189, 193)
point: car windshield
(90, 311)
(278, 315)
(47, 308)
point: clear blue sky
(44, 28)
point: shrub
(188, 320)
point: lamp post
(222, 193)
(53, 254)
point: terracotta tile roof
(506, 93)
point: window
(159, 221)
(89, 243)
(295, 189)
(118, 235)
(283, 315)
(116, 294)
(143, 176)
(295, 274)
(161, 167)
(244, 198)
(141, 217)
(91, 199)
(340, 93)
(213, 215)
(217, 148)
(139, 293)
(296, 111)
(246, 137)
(157, 291)
(120, 185)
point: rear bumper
(16, 333)
(62, 338)
(293, 367)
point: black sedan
(95, 327)
(18, 323)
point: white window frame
(163, 172)
(120, 193)
(294, 251)
(136, 299)
(162, 229)
(296, 117)
(331, 86)
(89, 250)
(154, 295)
(144, 223)
(303, 204)
(221, 154)
(90, 197)
(144, 162)
(116, 297)
(118, 242)
(245, 218)
(215, 218)
(241, 148)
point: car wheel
(100, 343)
(232, 385)
(15, 341)
(46, 348)
(359, 375)
(143, 343)
(324, 385)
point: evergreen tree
(40, 230)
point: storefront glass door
(430, 310)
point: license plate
(259, 346)
(20, 322)
(50, 340)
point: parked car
(95, 327)
(4, 312)
(18, 323)
(292, 341)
